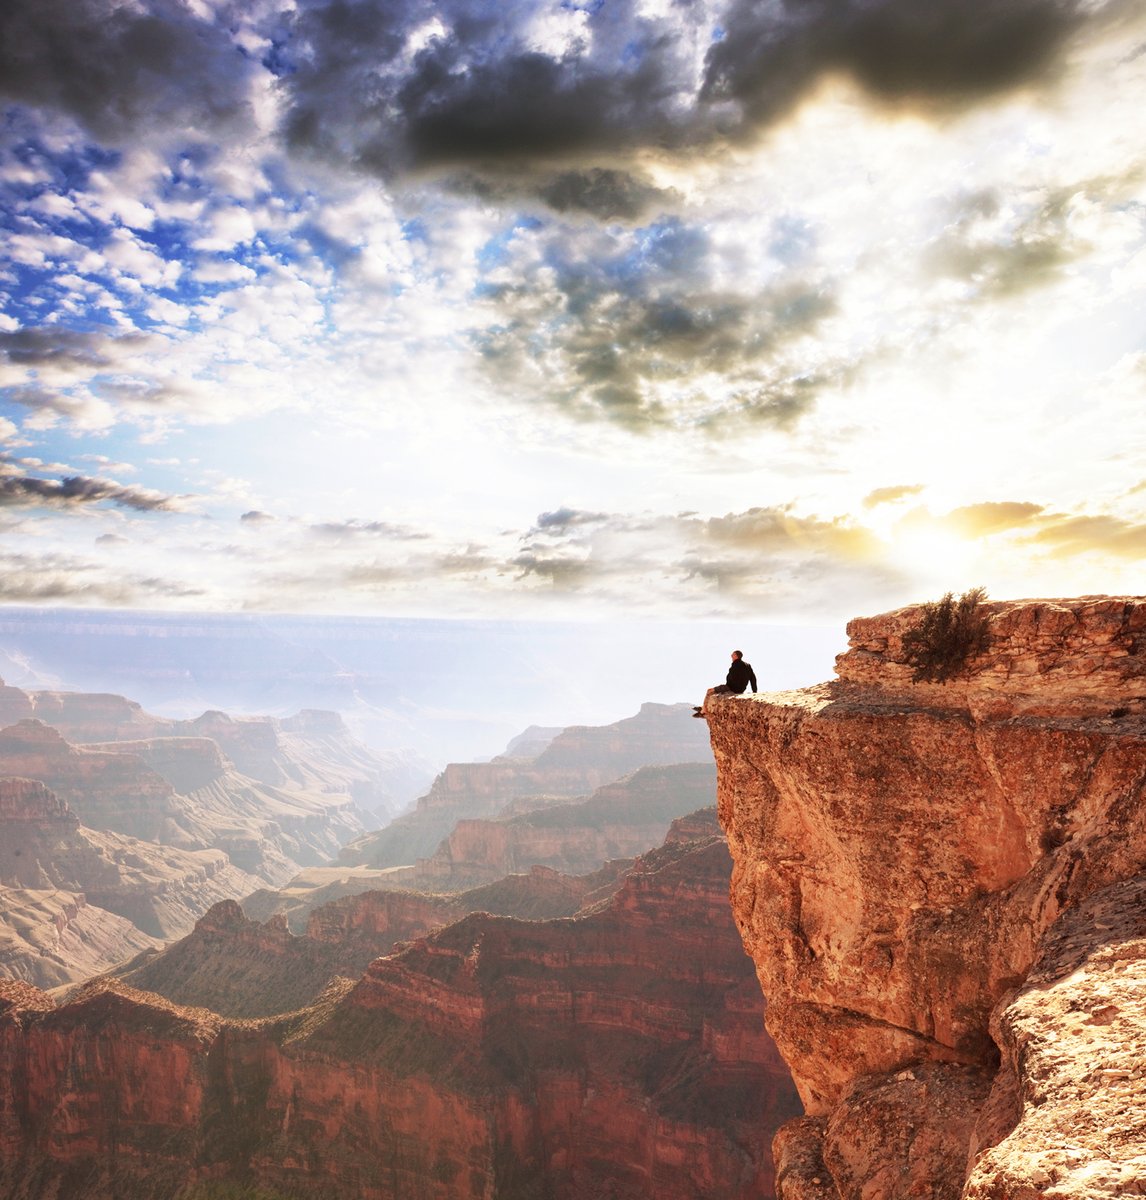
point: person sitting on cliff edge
(739, 676)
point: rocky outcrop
(620, 1053)
(575, 762)
(312, 751)
(50, 937)
(536, 895)
(619, 820)
(158, 889)
(928, 877)
(82, 716)
(241, 967)
(183, 792)
(106, 790)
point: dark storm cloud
(603, 193)
(942, 51)
(77, 491)
(121, 68)
(476, 90)
(394, 85)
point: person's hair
(738, 653)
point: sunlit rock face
(909, 859)
(619, 1053)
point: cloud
(378, 529)
(947, 52)
(66, 353)
(561, 520)
(1070, 535)
(1003, 249)
(77, 491)
(889, 495)
(390, 88)
(122, 69)
(990, 517)
(644, 330)
(63, 578)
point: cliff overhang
(907, 857)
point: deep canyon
(534, 984)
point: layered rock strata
(619, 820)
(241, 967)
(575, 762)
(50, 937)
(183, 792)
(87, 883)
(910, 862)
(618, 1054)
(312, 751)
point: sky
(710, 309)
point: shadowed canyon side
(618, 1053)
(932, 878)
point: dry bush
(950, 633)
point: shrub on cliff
(950, 633)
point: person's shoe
(697, 711)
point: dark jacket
(740, 675)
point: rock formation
(241, 967)
(619, 820)
(535, 895)
(617, 1054)
(932, 878)
(183, 792)
(50, 937)
(72, 894)
(312, 751)
(575, 762)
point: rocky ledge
(941, 886)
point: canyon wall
(619, 820)
(620, 1053)
(240, 967)
(575, 762)
(941, 887)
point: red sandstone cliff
(932, 876)
(617, 1054)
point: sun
(935, 557)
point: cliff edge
(942, 888)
